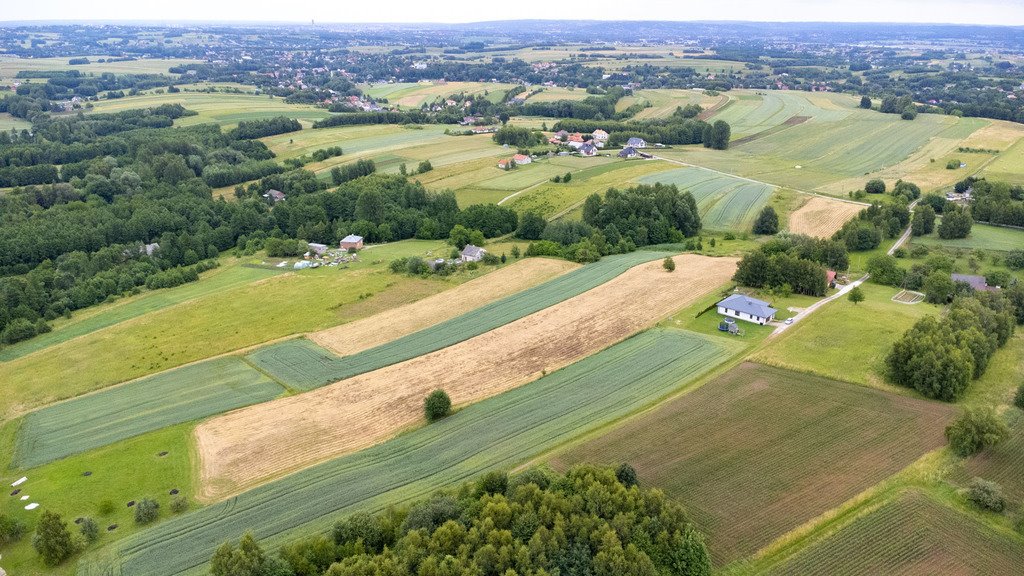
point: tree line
(792, 263)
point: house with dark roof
(275, 195)
(743, 307)
(588, 149)
(628, 152)
(977, 283)
(472, 253)
(636, 142)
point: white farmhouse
(744, 307)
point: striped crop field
(770, 440)
(180, 395)
(725, 202)
(913, 534)
(1002, 463)
(304, 365)
(751, 112)
(500, 432)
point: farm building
(275, 195)
(505, 164)
(628, 152)
(978, 283)
(744, 307)
(317, 249)
(830, 278)
(351, 241)
(636, 142)
(472, 253)
(588, 149)
(521, 159)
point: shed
(745, 308)
(317, 249)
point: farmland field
(500, 432)
(10, 66)
(821, 217)
(244, 447)
(854, 337)
(276, 359)
(665, 101)
(174, 397)
(229, 275)
(7, 122)
(555, 93)
(982, 237)
(749, 113)
(224, 109)
(913, 534)
(413, 95)
(769, 441)
(725, 202)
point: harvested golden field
(375, 330)
(245, 447)
(821, 217)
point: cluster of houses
(517, 160)
(322, 255)
(356, 102)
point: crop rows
(145, 405)
(770, 438)
(913, 534)
(499, 432)
(724, 202)
(305, 366)
(1002, 463)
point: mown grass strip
(181, 395)
(499, 432)
(303, 365)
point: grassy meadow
(224, 109)
(982, 237)
(11, 65)
(415, 94)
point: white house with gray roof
(472, 253)
(743, 307)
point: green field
(913, 534)
(665, 101)
(220, 322)
(982, 237)
(500, 432)
(7, 122)
(304, 365)
(414, 95)
(229, 275)
(10, 66)
(126, 471)
(751, 112)
(220, 108)
(855, 338)
(182, 395)
(1009, 166)
(725, 202)
(750, 453)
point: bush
(146, 511)
(767, 221)
(11, 530)
(669, 264)
(494, 482)
(366, 527)
(856, 295)
(437, 405)
(875, 186)
(953, 164)
(626, 475)
(986, 495)
(975, 430)
(89, 529)
(179, 504)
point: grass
(725, 202)
(414, 94)
(846, 341)
(231, 274)
(982, 237)
(749, 452)
(217, 323)
(7, 122)
(167, 399)
(305, 366)
(128, 470)
(10, 66)
(913, 534)
(499, 432)
(227, 110)
(707, 323)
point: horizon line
(313, 22)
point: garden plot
(822, 217)
(750, 454)
(245, 447)
(498, 433)
(725, 202)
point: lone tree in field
(146, 511)
(856, 295)
(875, 186)
(437, 405)
(52, 540)
(865, 102)
(976, 430)
(669, 264)
(767, 221)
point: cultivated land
(414, 95)
(304, 366)
(854, 338)
(500, 432)
(10, 66)
(245, 446)
(822, 217)
(750, 452)
(220, 108)
(381, 328)
(725, 202)
(913, 534)
(664, 102)
(218, 323)
(982, 237)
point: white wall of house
(742, 315)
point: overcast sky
(1006, 12)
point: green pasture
(500, 432)
(229, 275)
(556, 93)
(665, 101)
(915, 533)
(847, 341)
(220, 322)
(750, 112)
(982, 237)
(227, 110)
(189, 393)
(357, 140)
(696, 319)
(1008, 166)
(725, 202)
(750, 442)
(128, 470)
(10, 66)
(414, 95)
(304, 366)
(8, 122)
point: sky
(1000, 12)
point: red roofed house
(830, 278)
(522, 159)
